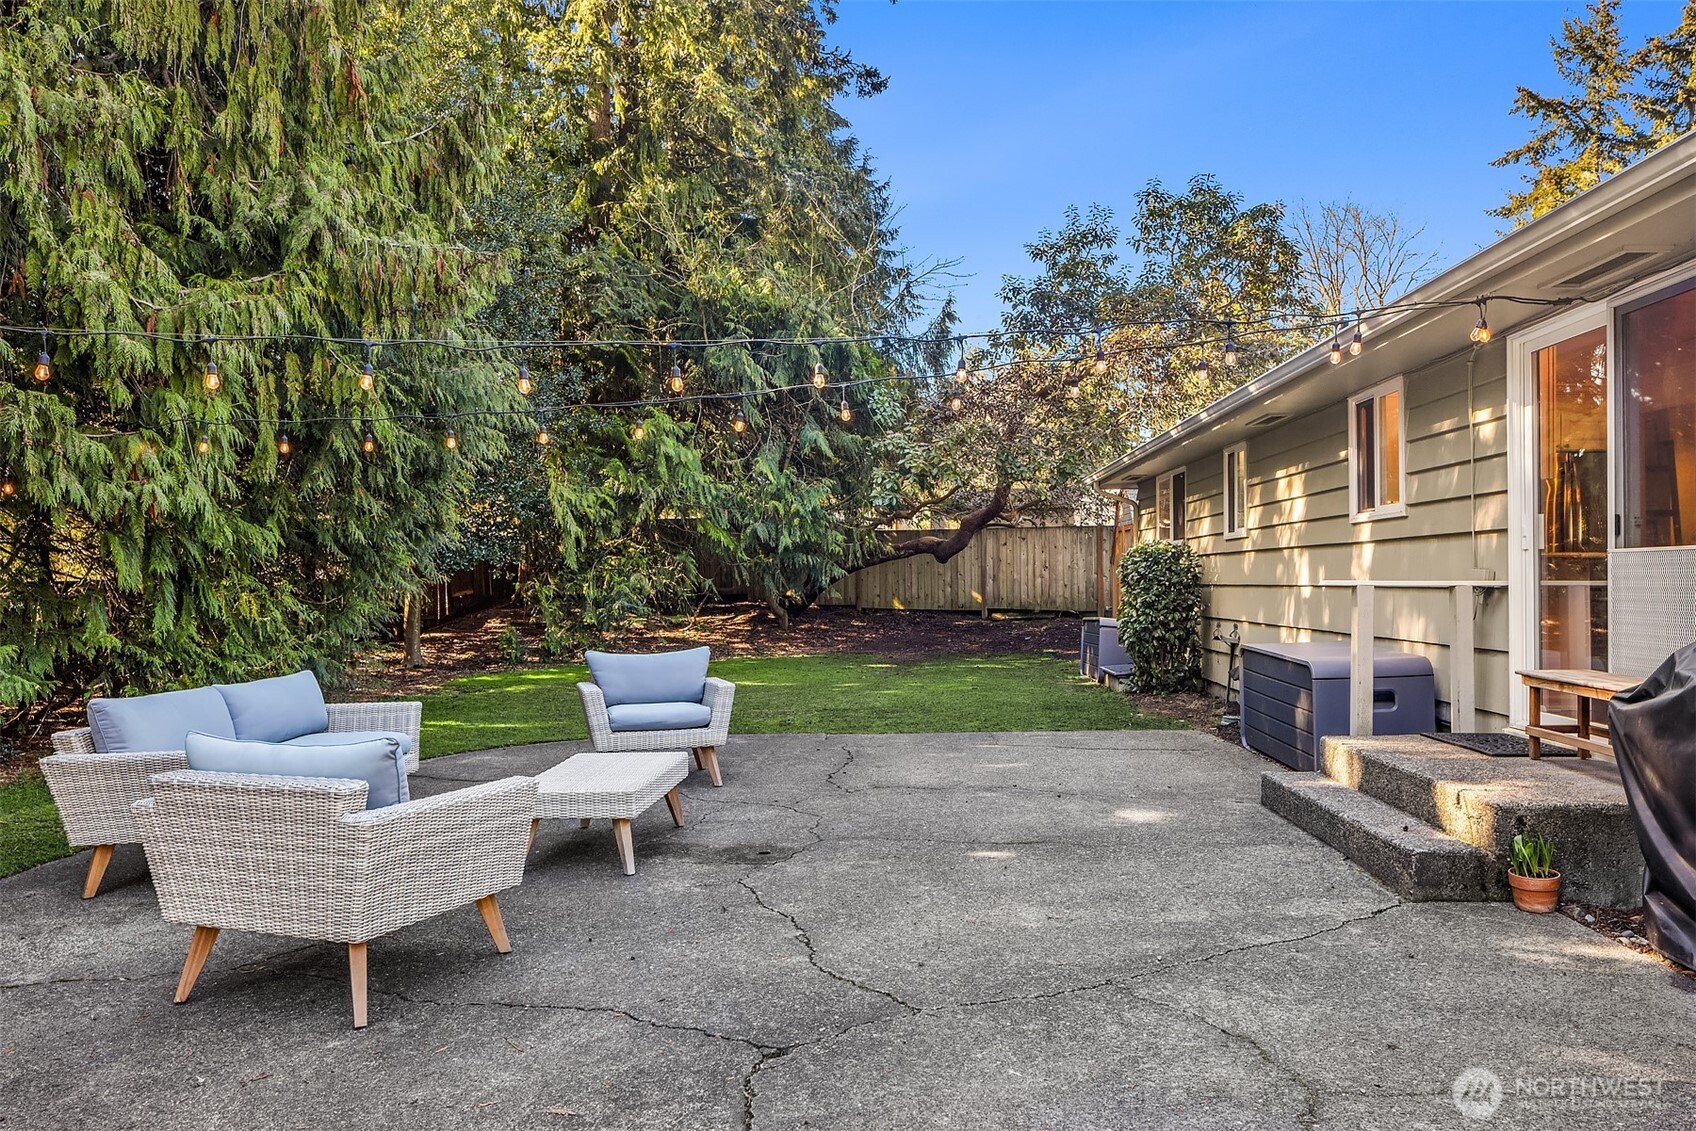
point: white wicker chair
(302, 857)
(94, 791)
(704, 741)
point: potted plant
(1531, 873)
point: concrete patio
(1081, 930)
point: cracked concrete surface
(1098, 930)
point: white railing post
(1362, 644)
(1463, 668)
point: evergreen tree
(222, 174)
(1583, 137)
(1667, 68)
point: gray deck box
(1099, 651)
(1294, 695)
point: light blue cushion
(276, 710)
(659, 716)
(344, 737)
(156, 722)
(377, 761)
(659, 677)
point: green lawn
(802, 695)
(796, 694)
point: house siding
(1300, 533)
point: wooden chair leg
(198, 948)
(708, 758)
(96, 870)
(675, 804)
(535, 824)
(356, 981)
(492, 919)
(583, 822)
(697, 753)
(626, 846)
(1583, 723)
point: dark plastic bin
(1295, 695)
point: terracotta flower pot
(1536, 894)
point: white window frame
(1176, 519)
(1397, 509)
(1240, 450)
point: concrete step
(1485, 801)
(1407, 856)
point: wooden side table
(1589, 687)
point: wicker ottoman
(619, 786)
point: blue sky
(1000, 113)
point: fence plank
(1022, 569)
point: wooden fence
(1022, 568)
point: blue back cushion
(660, 677)
(156, 722)
(276, 710)
(378, 762)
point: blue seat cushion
(156, 722)
(276, 710)
(345, 737)
(659, 716)
(659, 677)
(376, 761)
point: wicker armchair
(94, 791)
(704, 741)
(302, 857)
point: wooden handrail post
(1362, 644)
(1463, 668)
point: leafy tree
(215, 169)
(1583, 137)
(1355, 258)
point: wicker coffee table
(616, 786)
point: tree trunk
(414, 630)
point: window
(1377, 447)
(1657, 419)
(1236, 491)
(1169, 506)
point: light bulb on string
(1481, 332)
(845, 414)
(1232, 354)
(1100, 355)
(525, 385)
(542, 437)
(956, 403)
(7, 487)
(1201, 371)
(961, 371)
(450, 441)
(43, 362)
(639, 431)
(739, 422)
(1336, 353)
(204, 444)
(819, 377)
(212, 379)
(368, 374)
(283, 446)
(1358, 342)
(675, 381)
(1074, 386)
(369, 444)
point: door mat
(1498, 745)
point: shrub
(511, 644)
(1160, 615)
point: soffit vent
(1607, 270)
(1269, 419)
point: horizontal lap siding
(1299, 532)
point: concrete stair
(1434, 821)
(1407, 856)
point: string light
(450, 440)
(845, 414)
(368, 375)
(1100, 355)
(956, 403)
(638, 432)
(204, 444)
(1200, 371)
(542, 437)
(739, 422)
(1481, 332)
(283, 445)
(7, 487)
(961, 371)
(1074, 386)
(1358, 343)
(1231, 352)
(1336, 354)
(675, 383)
(43, 362)
(819, 377)
(211, 379)
(369, 444)
(525, 385)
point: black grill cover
(1654, 738)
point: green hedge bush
(1160, 615)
